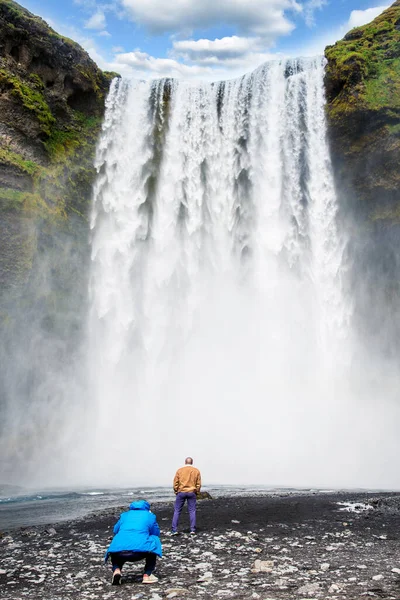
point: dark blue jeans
(179, 502)
(118, 559)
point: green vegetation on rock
(61, 143)
(16, 160)
(31, 98)
(69, 177)
(363, 69)
(32, 205)
(363, 110)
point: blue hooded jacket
(136, 530)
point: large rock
(57, 73)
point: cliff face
(51, 105)
(363, 94)
(363, 109)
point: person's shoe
(193, 532)
(174, 533)
(116, 578)
(149, 579)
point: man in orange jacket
(187, 483)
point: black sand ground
(308, 548)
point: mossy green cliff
(363, 94)
(51, 106)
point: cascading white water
(218, 323)
(228, 313)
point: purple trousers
(179, 502)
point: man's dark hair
(188, 461)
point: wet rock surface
(271, 548)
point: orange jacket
(187, 479)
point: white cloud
(229, 56)
(310, 7)
(96, 21)
(226, 48)
(141, 62)
(116, 49)
(256, 17)
(144, 66)
(104, 33)
(362, 17)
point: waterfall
(217, 308)
(227, 304)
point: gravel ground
(286, 546)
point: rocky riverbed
(287, 546)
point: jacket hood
(139, 505)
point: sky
(201, 39)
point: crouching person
(137, 537)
